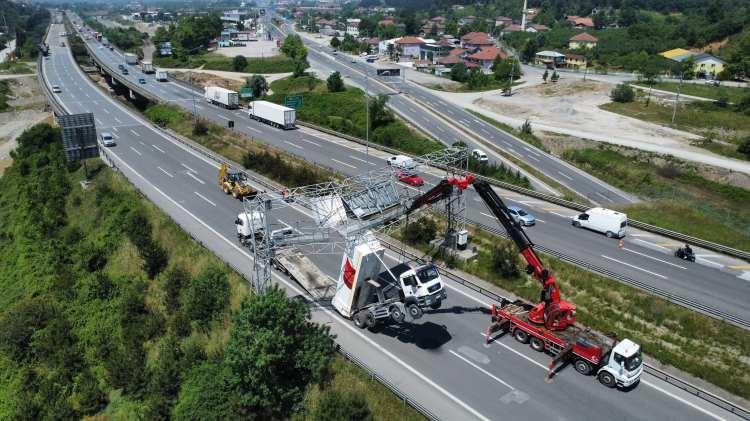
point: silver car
(524, 218)
(107, 139)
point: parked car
(479, 155)
(712, 82)
(107, 139)
(524, 218)
(56, 89)
(142, 81)
(410, 178)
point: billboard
(79, 136)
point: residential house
(706, 65)
(409, 46)
(486, 56)
(468, 20)
(386, 22)
(575, 61)
(474, 40)
(433, 51)
(433, 28)
(454, 56)
(551, 59)
(352, 27)
(537, 27)
(582, 40)
(503, 21)
(672, 54)
(580, 22)
(383, 46)
(513, 27)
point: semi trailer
(222, 97)
(162, 75)
(131, 58)
(274, 114)
(147, 67)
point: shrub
(505, 260)
(239, 63)
(421, 231)
(200, 128)
(622, 93)
(744, 147)
(339, 406)
(526, 127)
(334, 82)
(208, 294)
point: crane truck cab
(422, 283)
(622, 366)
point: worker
(285, 194)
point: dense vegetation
(126, 39)
(4, 92)
(697, 344)
(190, 35)
(110, 310)
(27, 23)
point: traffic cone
(621, 243)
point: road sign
(294, 101)
(79, 136)
(246, 92)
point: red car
(410, 178)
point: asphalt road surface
(441, 361)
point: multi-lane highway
(441, 362)
(646, 258)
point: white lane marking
(165, 172)
(99, 122)
(188, 168)
(604, 197)
(158, 149)
(141, 142)
(513, 152)
(633, 266)
(497, 379)
(558, 214)
(343, 163)
(650, 243)
(565, 175)
(361, 160)
(189, 174)
(412, 110)
(106, 110)
(653, 258)
(293, 144)
(708, 255)
(221, 116)
(134, 132)
(488, 215)
(541, 220)
(254, 129)
(646, 382)
(136, 151)
(320, 307)
(312, 143)
(118, 120)
(114, 128)
(710, 262)
(532, 157)
(204, 198)
(441, 129)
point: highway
(441, 361)
(646, 258)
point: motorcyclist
(688, 251)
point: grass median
(210, 61)
(707, 348)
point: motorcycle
(681, 253)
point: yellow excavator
(235, 183)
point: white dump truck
(274, 114)
(147, 67)
(222, 97)
(131, 58)
(162, 75)
(368, 297)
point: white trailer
(273, 114)
(131, 58)
(105, 41)
(147, 67)
(222, 97)
(162, 75)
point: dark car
(142, 81)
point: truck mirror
(237, 221)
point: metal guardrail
(682, 384)
(675, 381)
(555, 200)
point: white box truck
(222, 97)
(131, 58)
(147, 67)
(402, 162)
(273, 114)
(162, 75)
(607, 221)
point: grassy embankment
(681, 199)
(107, 303)
(722, 128)
(492, 85)
(704, 347)
(732, 93)
(209, 61)
(17, 67)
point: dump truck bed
(302, 270)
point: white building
(352, 27)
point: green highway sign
(246, 92)
(294, 101)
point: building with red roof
(409, 46)
(580, 22)
(582, 40)
(486, 56)
(476, 40)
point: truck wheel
(397, 315)
(436, 305)
(606, 378)
(414, 311)
(583, 367)
(576, 224)
(370, 320)
(225, 188)
(537, 344)
(235, 194)
(521, 336)
(610, 234)
(359, 320)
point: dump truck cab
(422, 283)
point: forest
(26, 23)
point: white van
(609, 222)
(479, 155)
(402, 162)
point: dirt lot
(229, 80)
(28, 109)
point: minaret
(523, 17)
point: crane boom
(550, 305)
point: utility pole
(677, 99)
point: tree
(206, 395)
(341, 406)
(744, 147)
(600, 20)
(688, 68)
(296, 50)
(207, 296)
(258, 85)
(274, 353)
(379, 113)
(459, 73)
(505, 260)
(299, 68)
(529, 50)
(239, 63)
(335, 43)
(477, 79)
(335, 83)
(622, 93)
(505, 69)
(421, 231)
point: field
(733, 94)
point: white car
(479, 155)
(56, 89)
(107, 139)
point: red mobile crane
(550, 325)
